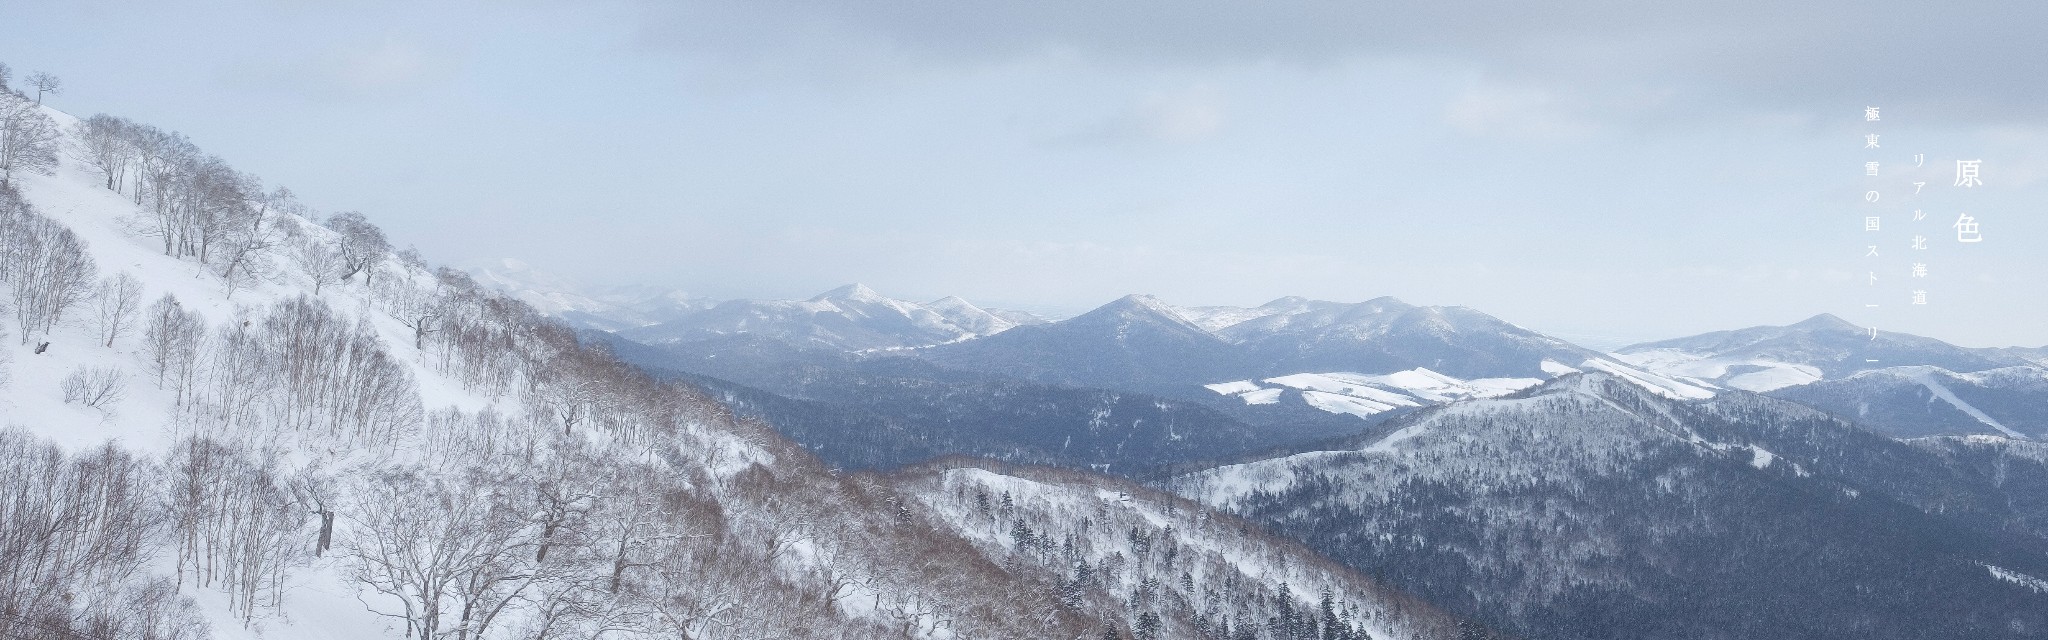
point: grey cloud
(1975, 61)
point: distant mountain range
(1364, 360)
(850, 318)
(1138, 340)
(1818, 348)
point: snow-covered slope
(1218, 318)
(1193, 572)
(1551, 505)
(1923, 400)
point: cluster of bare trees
(80, 532)
(298, 368)
(28, 137)
(194, 203)
(43, 263)
(239, 520)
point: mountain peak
(1138, 306)
(855, 292)
(1141, 302)
(1827, 321)
(1286, 302)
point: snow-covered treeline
(1164, 567)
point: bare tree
(363, 246)
(107, 143)
(6, 75)
(77, 541)
(455, 552)
(249, 235)
(44, 82)
(47, 268)
(96, 387)
(239, 373)
(172, 337)
(28, 138)
(320, 262)
(418, 308)
(235, 522)
(115, 302)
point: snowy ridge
(1366, 395)
(1667, 386)
(1748, 374)
(1225, 486)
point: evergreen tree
(1147, 626)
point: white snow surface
(1365, 395)
(1233, 388)
(1262, 396)
(322, 605)
(1769, 374)
(1659, 384)
(2037, 585)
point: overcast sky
(1601, 169)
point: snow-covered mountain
(1594, 507)
(1387, 335)
(1363, 359)
(849, 318)
(1920, 401)
(1218, 318)
(611, 309)
(1133, 342)
(1822, 347)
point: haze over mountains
(1335, 357)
